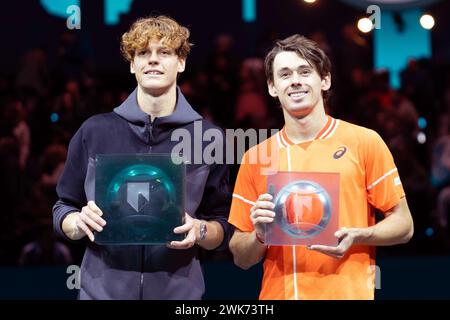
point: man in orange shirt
(298, 74)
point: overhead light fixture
(427, 21)
(365, 25)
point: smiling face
(156, 67)
(297, 84)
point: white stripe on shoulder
(334, 130)
(243, 199)
(279, 141)
(381, 178)
(322, 136)
(284, 140)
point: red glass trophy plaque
(306, 208)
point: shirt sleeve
(384, 187)
(244, 197)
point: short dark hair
(305, 48)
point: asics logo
(339, 152)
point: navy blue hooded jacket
(142, 272)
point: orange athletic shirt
(368, 179)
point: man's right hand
(262, 213)
(79, 224)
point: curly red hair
(160, 27)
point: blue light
(58, 7)
(422, 122)
(429, 232)
(249, 10)
(113, 10)
(393, 48)
(54, 117)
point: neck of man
(157, 105)
(305, 128)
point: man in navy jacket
(156, 48)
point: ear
(326, 82)
(272, 89)
(181, 64)
(132, 67)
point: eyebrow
(166, 48)
(158, 48)
(301, 67)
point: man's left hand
(346, 238)
(191, 227)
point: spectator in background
(417, 85)
(222, 71)
(441, 174)
(71, 107)
(14, 124)
(354, 52)
(251, 104)
(41, 193)
(195, 87)
(321, 39)
(45, 250)
(69, 58)
(33, 77)
(10, 196)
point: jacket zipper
(141, 284)
(141, 280)
(151, 134)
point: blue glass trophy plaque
(141, 197)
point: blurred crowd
(44, 103)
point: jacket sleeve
(215, 204)
(70, 188)
(216, 200)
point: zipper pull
(151, 132)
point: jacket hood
(160, 127)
